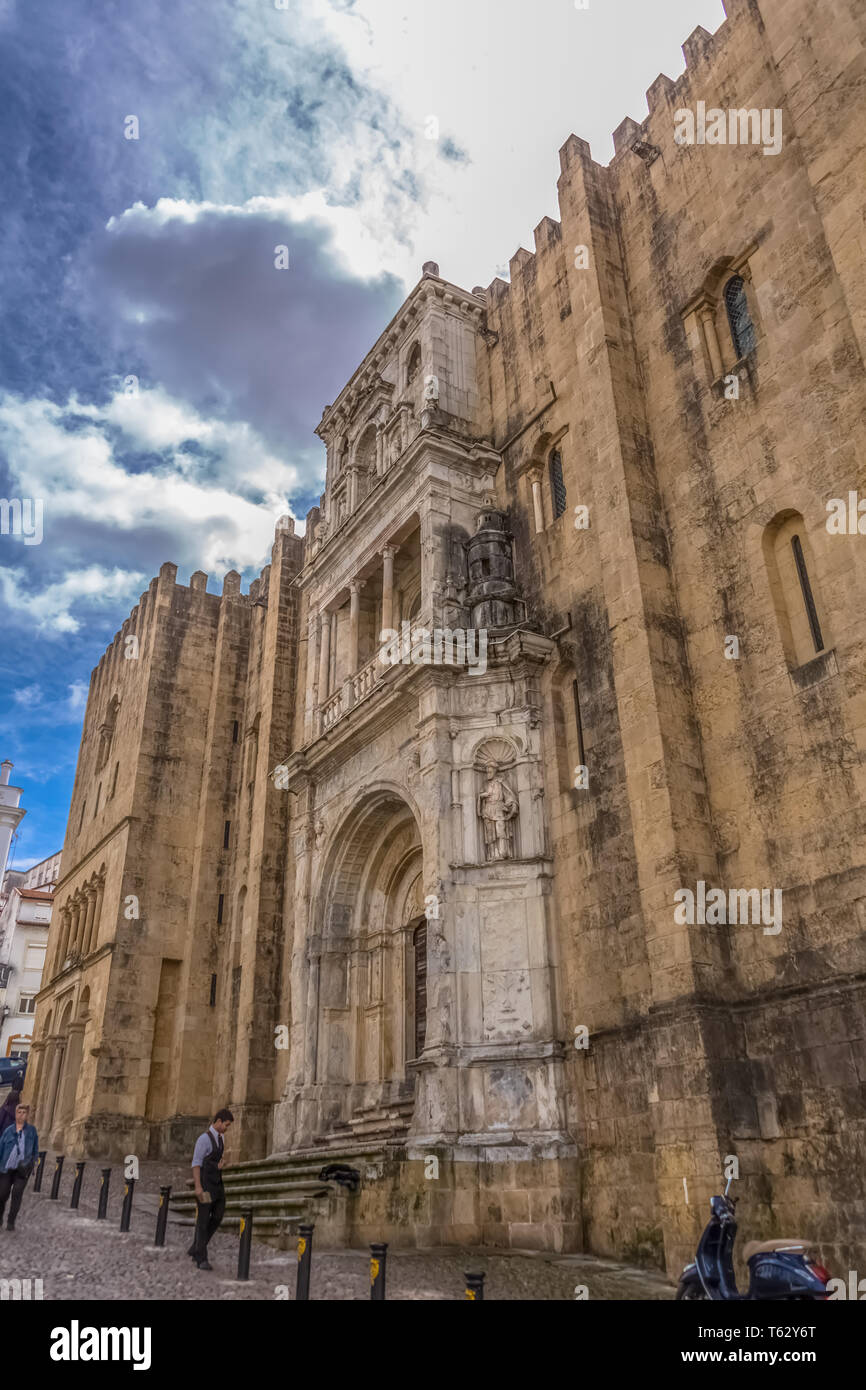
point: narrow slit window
(578, 724)
(226, 834)
(739, 318)
(558, 494)
(808, 597)
(220, 902)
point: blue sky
(160, 379)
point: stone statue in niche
(497, 808)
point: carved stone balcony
(360, 686)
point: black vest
(211, 1177)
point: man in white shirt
(210, 1195)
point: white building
(25, 918)
(11, 814)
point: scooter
(778, 1269)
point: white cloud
(28, 695)
(54, 454)
(49, 610)
(508, 86)
(77, 696)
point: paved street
(78, 1257)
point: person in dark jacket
(210, 1195)
(19, 1147)
(7, 1110)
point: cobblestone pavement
(78, 1257)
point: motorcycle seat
(762, 1247)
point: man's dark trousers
(207, 1218)
(17, 1183)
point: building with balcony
(389, 854)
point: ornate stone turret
(493, 600)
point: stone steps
(282, 1192)
(375, 1122)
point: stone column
(388, 586)
(355, 588)
(57, 1044)
(708, 323)
(93, 938)
(77, 910)
(62, 938)
(537, 507)
(35, 1077)
(87, 927)
(312, 673)
(380, 450)
(42, 1090)
(312, 1019)
(324, 656)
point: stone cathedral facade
(387, 853)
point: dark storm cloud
(234, 99)
(201, 304)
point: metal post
(102, 1211)
(245, 1244)
(55, 1181)
(76, 1186)
(305, 1254)
(378, 1256)
(126, 1209)
(162, 1216)
(40, 1168)
(475, 1287)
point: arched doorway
(59, 1065)
(370, 906)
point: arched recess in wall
(413, 365)
(106, 733)
(547, 472)
(794, 580)
(369, 900)
(55, 1107)
(365, 462)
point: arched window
(793, 584)
(413, 366)
(558, 495)
(739, 318)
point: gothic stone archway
(371, 902)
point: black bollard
(245, 1243)
(126, 1209)
(305, 1254)
(55, 1181)
(162, 1215)
(102, 1210)
(378, 1256)
(40, 1169)
(475, 1287)
(76, 1186)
